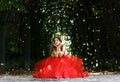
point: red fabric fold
(60, 67)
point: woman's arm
(55, 51)
(59, 51)
(62, 51)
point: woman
(58, 48)
(59, 64)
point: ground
(92, 78)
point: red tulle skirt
(59, 67)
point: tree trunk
(2, 49)
(27, 49)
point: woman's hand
(60, 50)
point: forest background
(90, 29)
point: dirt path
(92, 78)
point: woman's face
(57, 41)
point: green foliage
(11, 4)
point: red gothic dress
(60, 67)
